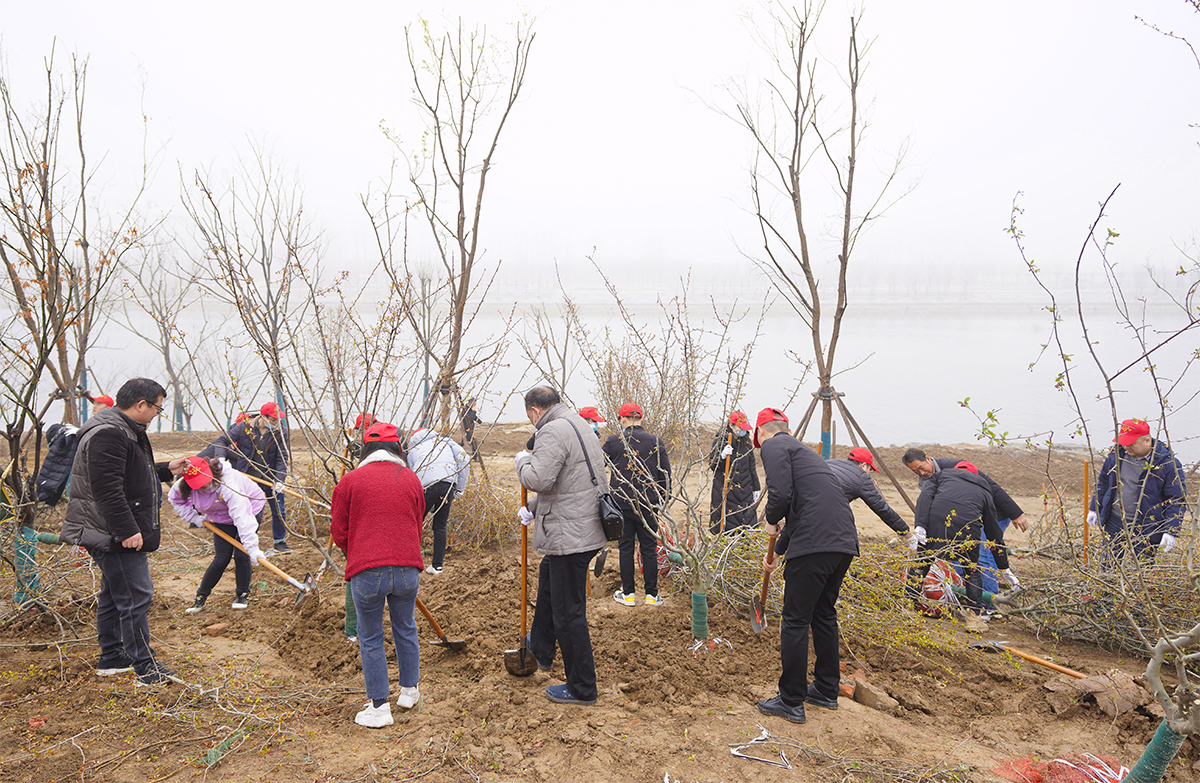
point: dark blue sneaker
(775, 706)
(153, 673)
(118, 664)
(543, 667)
(562, 695)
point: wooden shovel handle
(263, 561)
(428, 616)
(767, 574)
(286, 491)
(524, 561)
(1044, 662)
(725, 486)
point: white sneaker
(408, 698)
(432, 570)
(623, 599)
(375, 717)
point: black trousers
(560, 617)
(222, 552)
(437, 502)
(640, 524)
(810, 594)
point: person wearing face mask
(732, 454)
(592, 417)
(258, 448)
(213, 490)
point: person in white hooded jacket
(443, 468)
(233, 504)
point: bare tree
(59, 252)
(465, 85)
(795, 129)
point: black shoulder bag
(611, 517)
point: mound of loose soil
(273, 692)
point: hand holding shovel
(758, 619)
(520, 662)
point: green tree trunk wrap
(1151, 767)
(699, 615)
(25, 544)
(988, 598)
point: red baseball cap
(738, 419)
(767, 415)
(197, 472)
(104, 398)
(964, 465)
(631, 409)
(1131, 430)
(241, 417)
(363, 420)
(381, 432)
(591, 414)
(272, 410)
(865, 457)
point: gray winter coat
(566, 510)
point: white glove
(521, 455)
(1091, 519)
(1167, 543)
(756, 495)
(278, 488)
(195, 523)
(1010, 577)
(917, 538)
(727, 451)
(255, 554)
(525, 515)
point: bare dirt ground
(272, 694)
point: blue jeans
(987, 563)
(278, 513)
(122, 627)
(397, 585)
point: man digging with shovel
(803, 495)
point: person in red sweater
(376, 518)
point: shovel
(287, 491)
(304, 587)
(520, 662)
(598, 566)
(758, 619)
(453, 644)
(992, 646)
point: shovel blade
(520, 662)
(451, 644)
(758, 615)
(306, 589)
(600, 558)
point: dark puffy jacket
(1160, 509)
(115, 485)
(56, 470)
(1006, 507)
(743, 480)
(641, 467)
(802, 493)
(955, 505)
(262, 455)
(858, 485)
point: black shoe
(118, 664)
(241, 601)
(281, 548)
(153, 673)
(815, 698)
(198, 606)
(775, 706)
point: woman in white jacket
(443, 468)
(233, 504)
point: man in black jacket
(954, 508)
(113, 512)
(857, 483)
(1007, 509)
(641, 484)
(803, 494)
